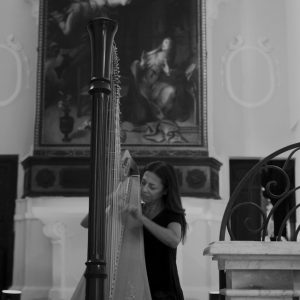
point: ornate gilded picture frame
(162, 51)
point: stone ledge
(251, 248)
(280, 294)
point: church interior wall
(249, 85)
(18, 60)
(248, 116)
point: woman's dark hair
(172, 199)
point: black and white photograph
(149, 149)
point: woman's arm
(170, 235)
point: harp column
(101, 31)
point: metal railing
(269, 191)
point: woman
(164, 223)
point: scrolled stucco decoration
(55, 231)
(212, 8)
(35, 8)
(13, 48)
(240, 77)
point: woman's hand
(170, 235)
(134, 212)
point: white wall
(18, 44)
(247, 54)
(50, 246)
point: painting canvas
(161, 47)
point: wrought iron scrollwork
(269, 190)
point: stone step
(260, 294)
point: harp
(115, 267)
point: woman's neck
(151, 210)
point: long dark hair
(172, 199)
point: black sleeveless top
(161, 261)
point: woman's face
(152, 188)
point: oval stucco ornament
(249, 72)
(12, 50)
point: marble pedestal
(50, 246)
(258, 270)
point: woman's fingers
(132, 210)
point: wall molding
(55, 231)
(14, 49)
(212, 9)
(261, 48)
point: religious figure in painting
(159, 74)
(160, 94)
(67, 64)
(152, 75)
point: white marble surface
(260, 294)
(258, 270)
(252, 248)
(50, 246)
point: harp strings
(117, 189)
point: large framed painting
(162, 50)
